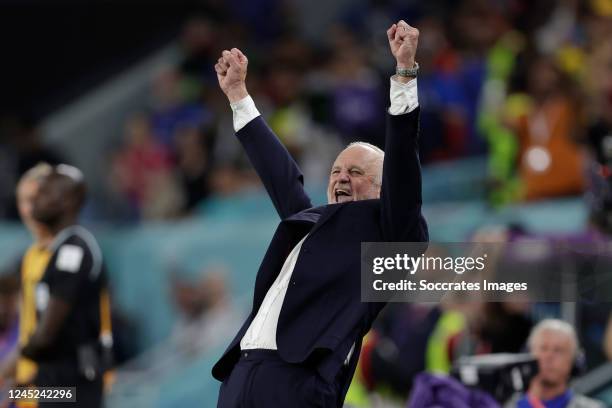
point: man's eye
(356, 172)
(335, 171)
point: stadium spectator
(291, 113)
(555, 345)
(442, 111)
(356, 91)
(143, 172)
(176, 103)
(492, 119)
(199, 38)
(550, 161)
(194, 148)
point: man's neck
(546, 392)
(59, 226)
(42, 236)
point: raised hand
(403, 40)
(231, 71)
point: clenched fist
(403, 40)
(231, 71)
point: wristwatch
(408, 72)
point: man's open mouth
(343, 196)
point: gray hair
(381, 157)
(366, 144)
(555, 325)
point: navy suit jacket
(322, 315)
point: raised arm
(401, 184)
(278, 171)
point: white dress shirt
(261, 334)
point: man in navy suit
(300, 344)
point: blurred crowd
(527, 84)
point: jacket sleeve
(401, 200)
(276, 168)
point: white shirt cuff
(244, 111)
(404, 97)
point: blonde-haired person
(30, 269)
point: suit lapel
(311, 215)
(316, 215)
(295, 228)
(328, 211)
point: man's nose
(548, 356)
(344, 177)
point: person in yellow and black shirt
(29, 271)
(72, 331)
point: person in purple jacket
(300, 343)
